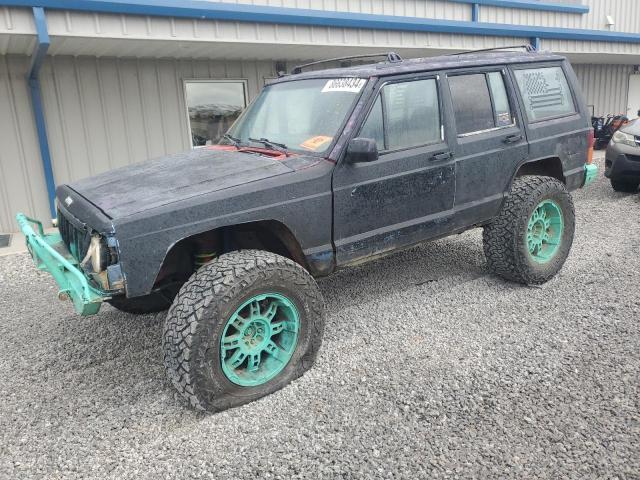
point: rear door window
(480, 102)
(501, 107)
(405, 115)
(545, 92)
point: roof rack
(527, 48)
(391, 57)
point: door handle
(512, 139)
(440, 156)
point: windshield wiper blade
(236, 141)
(269, 144)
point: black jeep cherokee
(324, 170)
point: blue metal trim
(299, 16)
(475, 12)
(33, 77)
(530, 5)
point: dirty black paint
(340, 212)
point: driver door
(407, 194)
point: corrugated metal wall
(81, 33)
(105, 113)
(22, 184)
(605, 86)
(625, 13)
(101, 114)
(406, 8)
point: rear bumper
(590, 174)
(51, 255)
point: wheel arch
(545, 167)
(182, 258)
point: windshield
(302, 115)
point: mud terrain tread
(502, 237)
(224, 279)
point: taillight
(591, 141)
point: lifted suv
(324, 170)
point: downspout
(475, 12)
(535, 43)
(33, 77)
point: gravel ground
(430, 368)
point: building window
(213, 105)
(545, 92)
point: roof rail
(391, 57)
(528, 48)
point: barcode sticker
(353, 85)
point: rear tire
(242, 327)
(625, 186)
(530, 239)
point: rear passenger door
(407, 194)
(490, 141)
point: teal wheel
(530, 239)
(544, 231)
(259, 339)
(243, 326)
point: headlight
(96, 257)
(96, 254)
(624, 138)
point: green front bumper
(51, 255)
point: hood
(632, 128)
(143, 186)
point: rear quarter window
(545, 92)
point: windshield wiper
(269, 144)
(236, 141)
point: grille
(77, 240)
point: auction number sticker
(353, 85)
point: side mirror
(362, 150)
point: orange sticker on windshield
(314, 143)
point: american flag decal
(539, 93)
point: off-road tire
(504, 238)
(196, 320)
(152, 303)
(625, 186)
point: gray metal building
(90, 85)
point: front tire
(242, 327)
(529, 241)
